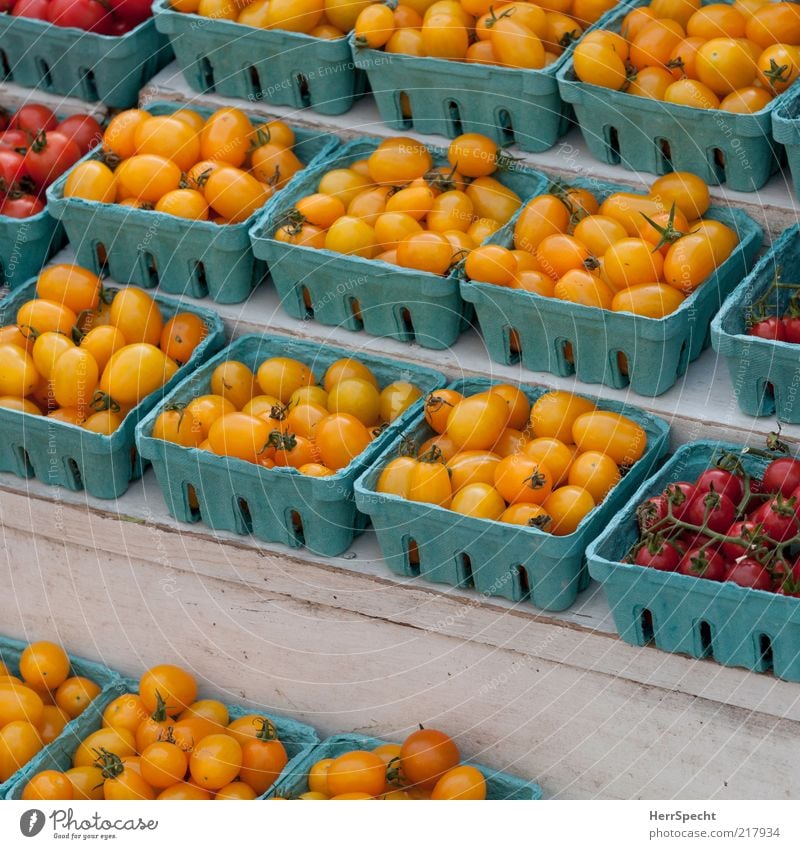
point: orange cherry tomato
(567, 506)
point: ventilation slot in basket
(202, 281)
(612, 143)
(464, 566)
(24, 464)
(765, 659)
(619, 366)
(412, 557)
(244, 517)
(514, 346)
(5, 66)
(664, 156)
(192, 502)
(646, 627)
(255, 82)
(46, 80)
(718, 163)
(706, 643)
(355, 309)
(565, 356)
(506, 128)
(406, 325)
(100, 258)
(296, 530)
(453, 115)
(207, 74)
(524, 583)
(308, 303)
(404, 110)
(89, 84)
(73, 474)
(302, 90)
(150, 268)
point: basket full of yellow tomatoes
(167, 197)
(46, 697)
(80, 364)
(687, 85)
(371, 237)
(289, 53)
(157, 739)
(426, 765)
(269, 436)
(621, 287)
(500, 487)
(454, 66)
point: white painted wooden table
(346, 645)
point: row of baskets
(198, 258)
(301, 741)
(531, 108)
(520, 563)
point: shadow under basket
(519, 563)
(736, 626)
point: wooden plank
(362, 585)
(13, 96)
(581, 733)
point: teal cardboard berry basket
(294, 779)
(786, 132)
(359, 294)
(270, 66)
(25, 246)
(280, 504)
(298, 739)
(110, 686)
(649, 135)
(736, 626)
(86, 65)
(62, 454)
(765, 373)
(447, 98)
(520, 563)
(657, 351)
(182, 257)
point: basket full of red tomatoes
(36, 147)
(92, 50)
(705, 558)
(500, 487)
(168, 195)
(757, 331)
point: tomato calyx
(776, 73)
(407, 446)
(569, 38)
(280, 441)
(535, 481)
(541, 521)
(668, 233)
(443, 182)
(378, 429)
(109, 764)
(292, 221)
(394, 774)
(102, 401)
(279, 412)
(266, 729)
(494, 18)
(433, 455)
(775, 444)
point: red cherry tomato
(680, 495)
(22, 206)
(780, 518)
(749, 531)
(703, 563)
(715, 511)
(662, 556)
(33, 118)
(49, 156)
(782, 475)
(88, 15)
(749, 573)
(13, 169)
(650, 512)
(132, 12)
(721, 481)
(83, 130)
(15, 139)
(31, 9)
(769, 328)
(791, 328)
